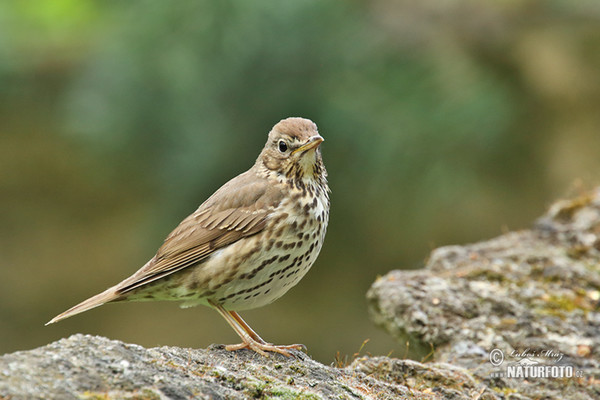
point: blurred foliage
(444, 122)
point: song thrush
(248, 244)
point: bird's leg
(250, 339)
(246, 327)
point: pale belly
(280, 265)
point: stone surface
(533, 295)
(92, 367)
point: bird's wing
(238, 209)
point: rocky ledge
(93, 367)
(507, 308)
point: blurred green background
(445, 123)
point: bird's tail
(108, 295)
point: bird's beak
(312, 143)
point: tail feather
(105, 297)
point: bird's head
(293, 149)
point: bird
(247, 244)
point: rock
(92, 367)
(533, 295)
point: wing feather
(239, 209)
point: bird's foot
(263, 348)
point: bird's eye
(282, 146)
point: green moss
(578, 251)
(284, 393)
(488, 275)
(505, 391)
(144, 394)
(564, 303)
(560, 305)
(570, 207)
(94, 396)
(298, 369)
(256, 388)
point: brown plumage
(248, 243)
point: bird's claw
(263, 348)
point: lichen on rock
(530, 294)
